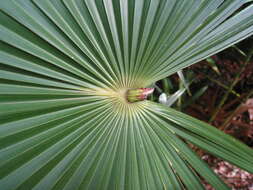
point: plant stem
(223, 86)
(237, 78)
(235, 112)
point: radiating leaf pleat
(65, 66)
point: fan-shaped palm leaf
(65, 66)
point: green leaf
(65, 68)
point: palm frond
(65, 66)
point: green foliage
(65, 66)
